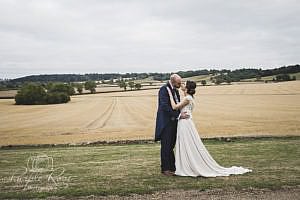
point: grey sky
(86, 36)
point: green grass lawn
(135, 168)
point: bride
(191, 156)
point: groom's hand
(184, 115)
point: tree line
(236, 75)
(219, 76)
(124, 84)
(281, 74)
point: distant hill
(215, 76)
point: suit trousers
(168, 141)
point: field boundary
(77, 94)
(146, 141)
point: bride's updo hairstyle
(190, 87)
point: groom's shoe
(168, 173)
(173, 172)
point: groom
(166, 124)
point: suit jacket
(165, 113)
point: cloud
(64, 36)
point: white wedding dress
(191, 156)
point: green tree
(131, 85)
(218, 81)
(228, 80)
(90, 85)
(203, 82)
(31, 94)
(57, 97)
(138, 86)
(60, 87)
(79, 87)
(283, 77)
(123, 84)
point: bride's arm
(179, 105)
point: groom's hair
(174, 77)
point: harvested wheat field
(227, 110)
(9, 93)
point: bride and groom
(174, 125)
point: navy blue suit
(166, 127)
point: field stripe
(103, 117)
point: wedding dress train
(191, 156)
